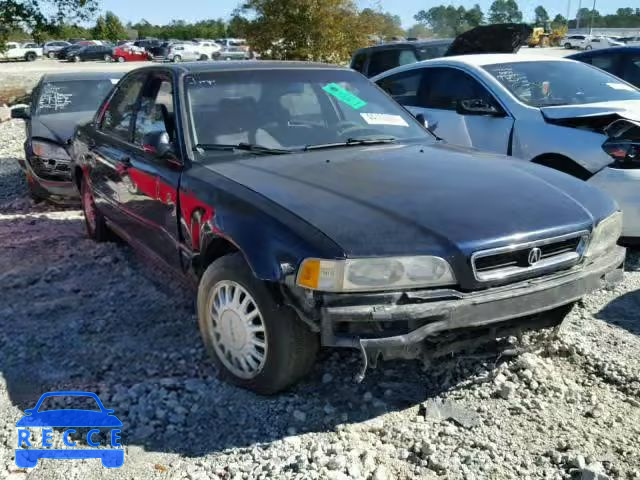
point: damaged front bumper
(50, 181)
(364, 321)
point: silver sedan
(556, 112)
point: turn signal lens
(309, 274)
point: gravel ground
(76, 315)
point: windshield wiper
(249, 147)
(351, 142)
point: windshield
(293, 109)
(73, 96)
(542, 84)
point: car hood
(629, 109)
(69, 418)
(59, 127)
(498, 38)
(418, 199)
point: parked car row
(16, 51)
(590, 42)
(314, 210)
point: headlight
(605, 235)
(49, 150)
(367, 274)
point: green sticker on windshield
(344, 96)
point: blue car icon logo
(66, 418)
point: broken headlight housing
(605, 235)
(625, 154)
(48, 150)
(374, 274)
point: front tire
(567, 46)
(121, 59)
(30, 57)
(94, 220)
(177, 59)
(52, 55)
(588, 47)
(203, 58)
(254, 342)
(108, 58)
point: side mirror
(158, 144)
(422, 120)
(477, 106)
(22, 113)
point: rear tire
(588, 47)
(52, 55)
(265, 352)
(203, 58)
(30, 57)
(76, 59)
(108, 58)
(94, 220)
(121, 59)
(177, 59)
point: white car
(601, 42)
(209, 50)
(16, 51)
(560, 113)
(183, 52)
(575, 41)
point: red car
(130, 54)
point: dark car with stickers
(312, 210)
(59, 103)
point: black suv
(374, 60)
(497, 38)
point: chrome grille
(528, 259)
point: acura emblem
(535, 254)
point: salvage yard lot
(76, 315)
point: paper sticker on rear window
(384, 119)
(620, 86)
(344, 96)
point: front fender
(274, 242)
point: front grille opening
(554, 254)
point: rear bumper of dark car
(346, 320)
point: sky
(163, 11)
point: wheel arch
(563, 164)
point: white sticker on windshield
(384, 119)
(620, 86)
(114, 81)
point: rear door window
(403, 87)
(632, 69)
(606, 62)
(116, 120)
(358, 62)
(441, 88)
(383, 60)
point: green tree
(320, 30)
(40, 17)
(113, 28)
(419, 31)
(558, 22)
(474, 16)
(542, 17)
(237, 26)
(449, 21)
(504, 11)
(99, 31)
(380, 24)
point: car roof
(600, 51)
(67, 77)
(239, 65)
(407, 43)
(491, 58)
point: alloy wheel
(239, 335)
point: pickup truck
(312, 210)
(16, 51)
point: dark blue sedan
(623, 62)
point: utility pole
(578, 15)
(568, 10)
(593, 12)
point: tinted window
(73, 96)
(441, 88)
(117, 118)
(359, 61)
(632, 69)
(606, 62)
(432, 51)
(383, 60)
(403, 87)
(545, 83)
(292, 109)
(156, 110)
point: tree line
(322, 30)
